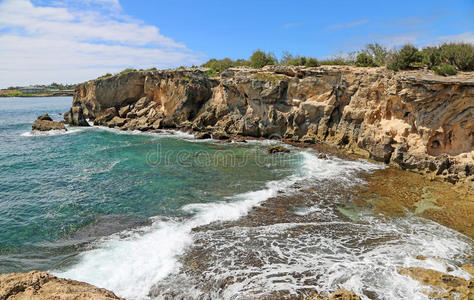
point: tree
(260, 59)
(365, 60)
(403, 59)
(377, 52)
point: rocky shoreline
(415, 120)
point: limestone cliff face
(414, 119)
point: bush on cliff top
(364, 60)
(260, 59)
(445, 69)
(219, 65)
(460, 55)
(405, 58)
(289, 59)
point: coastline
(414, 119)
(285, 209)
(40, 95)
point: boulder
(45, 117)
(124, 111)
(105, 116)
(45, 123)
(203, 136)
(116, 122)
(277, 149)
(37, 285)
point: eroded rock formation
(38, 285)
(413, 119)
(45, 123)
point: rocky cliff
(414, 119)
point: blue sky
(318, 28)
(75, 40)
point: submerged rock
(45, 123)
(277, 149)
(37, 285)
(340, 294)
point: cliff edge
(413, 119)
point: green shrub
(311, 62)
(260, 59)
(404, 58)
(431, 56)
(128, 70)
(105, 76)
(377, 52)
(219, 65)
(339, 61)
(211, 73)
(460, 55)
(365, 60)
(445, 69)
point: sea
(162, 215)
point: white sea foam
(130, 266)
(334, 253)
(70, 130)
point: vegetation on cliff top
(445, 59)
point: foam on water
(52, 132)
(130, 266)
(330, 255)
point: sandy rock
(105, 116)
(340, 294)
(116, 122)
(37, 285)
(45, 123)
(445, 285)
(124, 111)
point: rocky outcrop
(444, 286)
(45, 123)
(414, 119)
(38, 285)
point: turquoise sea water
(101, 181)
(118, 210)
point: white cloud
(462, 37)
(348, 25)
(75, 40)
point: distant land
(52, 90)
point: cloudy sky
(71, 41)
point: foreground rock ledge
(37, 285)
(414, 119)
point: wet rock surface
(293, 245)
(445, 286)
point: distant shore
(57, 94)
